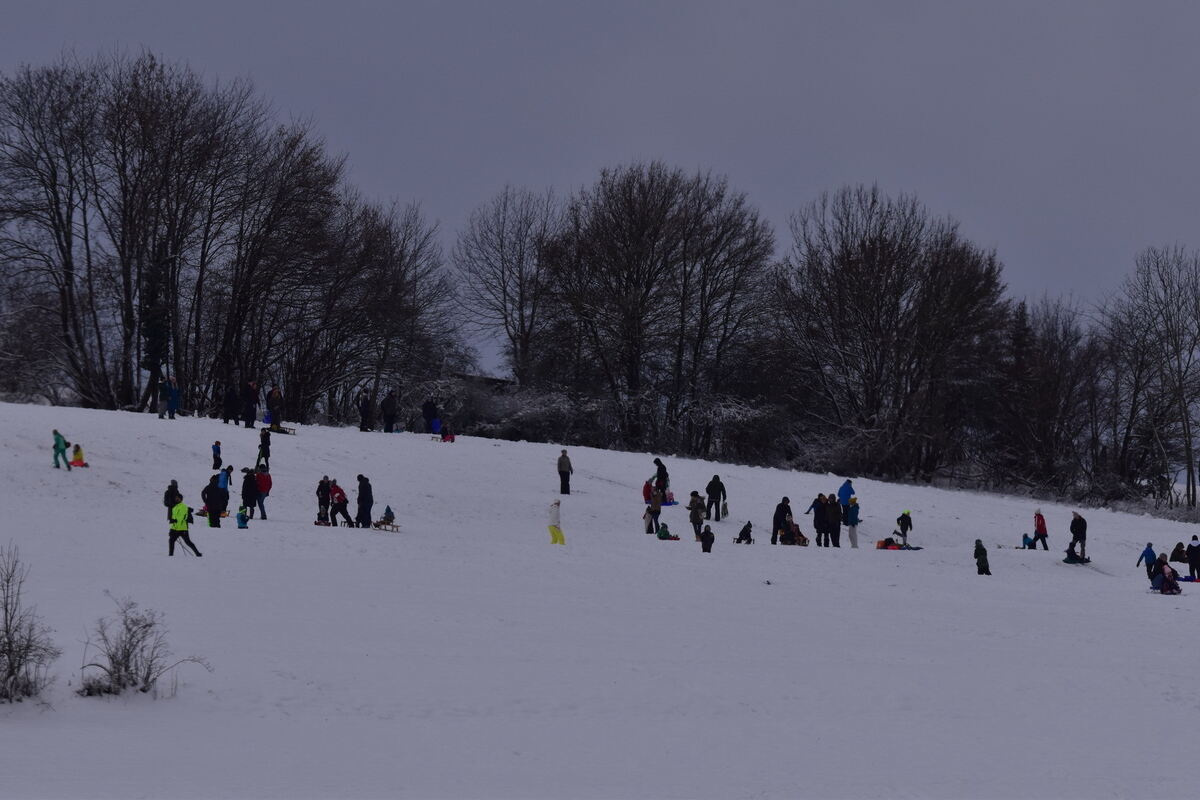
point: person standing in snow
(164, 395)
(323, 499)
(781, 521)
(844, 494)
(179, 527)
(1078, 535)
(905, 524)
(564, 473)
(429, 412)
(366, 499)
(1149, 557)
(656, 501)
(229, 405)
(852, 522)
(216, 450)
(715, 491)
(249, 403)
(695, 508)
(661, 479)
(264, 448)
(981, 559)
(364, 411)
(224, 478)
(171, 496)
(388, 409)
(1039, 530)
(211, 496)
(339, 502)
(249, 491)
(706, 539)
(262, 479)
(555, 524)
(60, 450)
(275, 407)
(174, 398)
(817, 509)
(1193, 558)
(833, 522)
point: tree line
(153, 224)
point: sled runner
(322, 522)
(386, 526)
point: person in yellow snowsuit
(179, 527)
(77, 457)
(556, 534)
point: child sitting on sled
(77, 456)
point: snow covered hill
(468, 657)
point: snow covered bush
(133, 651)
(26, 650)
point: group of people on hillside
(829, 512)
(332, 501)
(1161, 574)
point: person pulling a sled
(1078, 536)
(60, 450)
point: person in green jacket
(179, 527)
(60, 450)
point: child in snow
(389, 518)
(60, 449)
(1178, 554)
(1027, 542)
(1149, 558)
(556, 534)
(243, 519)
(743, 536)
(447, 434)
(905, 524)
(216, 448)
(706, 539)
(77, 457)
(665, 534)
(1170, 580)
(981, 560)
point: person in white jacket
(556, 534)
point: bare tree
(26, 650)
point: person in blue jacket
(1149, 557)
(844, 494)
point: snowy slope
(467, 657)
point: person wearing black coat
(388, 409)
(817, 509)
(264, 448)
(275, 407)
(323, 499)
(1193, 558)
(249, 403)
(707, 537)
(716, 495)
(981, 559)
(364, 412)
(211, 495)
(249, 491)
(833, 521)
(171, 497)
(781, 522)
(229, 406)
(429, 412)
(366, 499)
(661, 479)
(1078, 535)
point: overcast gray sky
(1062, 134)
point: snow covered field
(467, 657)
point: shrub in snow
(26, 650)
(133, 651)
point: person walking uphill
(564, 473)
(1078, 535)
(1039, 530)
(716, 496)
(60, 450)
(179, 527)
(366, 499)
(555, 524)
(981, 560)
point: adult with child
(1039, 530)
(60, 450)
(564, 473)
(780, 522)
(339, 503)
(715, 491)
(179, 527)
(1078, 535)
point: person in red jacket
(338, 502)
(1039, 530)
(263, 479)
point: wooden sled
(386, 526)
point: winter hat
(853, 501)
(786, 500)
(906, 511)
